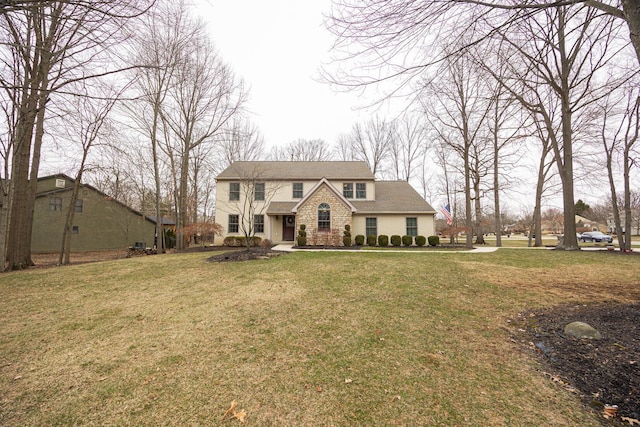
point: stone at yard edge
(582, 330)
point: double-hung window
(371, 226)
(79, 206)
(412, 227)
(234, 191)
(361, 190)
(347, 190)
(297, 190)
(258, 191)
(258, 223)
(234, 222)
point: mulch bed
(245, 255)
(605, 371)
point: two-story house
(272, 199)
(100, 222)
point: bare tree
(408, 145)
(457, 107)
(91, 124)
(240, 140)
(371, 142)
(619, 134)
(255, 196)
(204, 98)
(46, 47)
(553, 60)
(302, 150)
(158, 44)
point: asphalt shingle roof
(394, 197)
(391, 197)
(287, 171)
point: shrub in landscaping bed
(359, 239)
(302, 235)
(396, 240)
(407, 240)
(346, 238)
(371, 240)
(241, 241)
(434, 240)
(421, 240)
(383, 240)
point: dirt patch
(605, 371)
(245, 255)
(51, 259)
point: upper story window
(361, 190)
(55, 204)
(79, 206)
(297, 190)
(324, 217)
(347, 190)
(234, 191)
(258, 191)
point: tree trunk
(631, 10)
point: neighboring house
(275, 198)
(100, 222)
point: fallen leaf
(240, 416)
(610, 411)
(231, 410)
(631, 421)
(348, 380)
(319, 389)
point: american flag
(447, 214)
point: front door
(288, 228)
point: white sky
(278, 48)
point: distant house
(275, 198)
(100, 222)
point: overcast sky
(278, 48)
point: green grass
(330, 338)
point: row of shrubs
(381, 240)
(241, 241)
(396, 240)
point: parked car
(595, 236)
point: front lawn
(323, 338)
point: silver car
(595, 236)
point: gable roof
(394, 197)
(331, 188)
(287, 171)
(92, 188)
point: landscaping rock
(582, 330)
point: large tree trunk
(631, 10)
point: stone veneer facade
(307, 214)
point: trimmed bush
(407, 240)
(383, 240)
(235, 241)
(434, 240)
(371, 240)
(421, 240)
(302, 235)
(346, 238)
(396, 240)
(359, 239)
